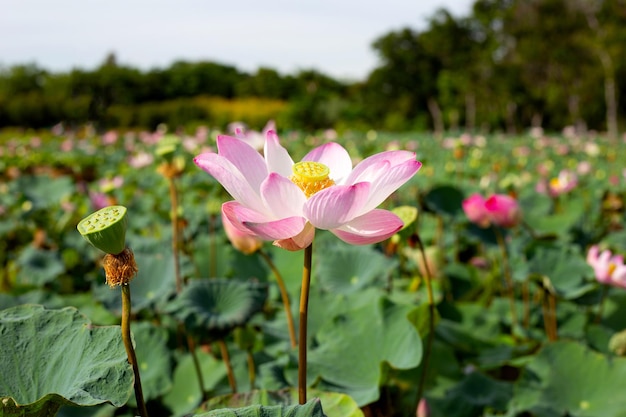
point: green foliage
(334, 404)
(312, 408)
(551, 385)
(218, 305)
(369, 314)
(57, 357)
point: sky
(331, 36)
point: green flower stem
(175, 233)
(229, 367)
(507, 278)
(212, 247)
(251, 368)
(284, 295)
(605, 290)
(196, 364)
(526, 299)
(549, 314)
(304, 307)
(431, 321)
(130, 351)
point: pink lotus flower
(499, 209)
(609, 268)
(474, 208)
(503, 210)
(565, 182)
(253, 138)
(277, 199)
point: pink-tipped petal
(363, 171)
(298, 242)
(245, 158)
(373, 227)
(592, 255)
(618, 278)
(277, 157)
(388, 181)
(335, 206)
(335, 157)
(230, 177)
(277, 229)
(282, 197)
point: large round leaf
(38, 266)
(55, 357)
(444, 199)
(347, 269)
(353, 346)
(567, 378)
(334, 404)
(185, 394)
(313, 408)
(218, 305)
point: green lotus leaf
(218, 305)
(334, 404)
(352, 346)
(313, 408)
(444, 199)
(38, 266)
(348, 269)
(44, 191)
(185, 394)
(471, 396)
(56, 357)
(567, 378)
(565, 268)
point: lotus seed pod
(105, 229)
(617, 343)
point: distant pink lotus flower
(277, 199)
(423, 409)
(109, 184)
(608, 268)
(499, 210)
(140, 160)
(474, 208)
(253, 138)
(564, 183)
(110, 137)
(99, 200)
(583, 167)
(503, 210)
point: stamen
(311, 177)
(612, 268)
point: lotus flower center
(311, 177)
(555, 183)
(612, 268)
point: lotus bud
(617, 343)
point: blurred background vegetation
(511, 64)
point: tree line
(509, 65)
